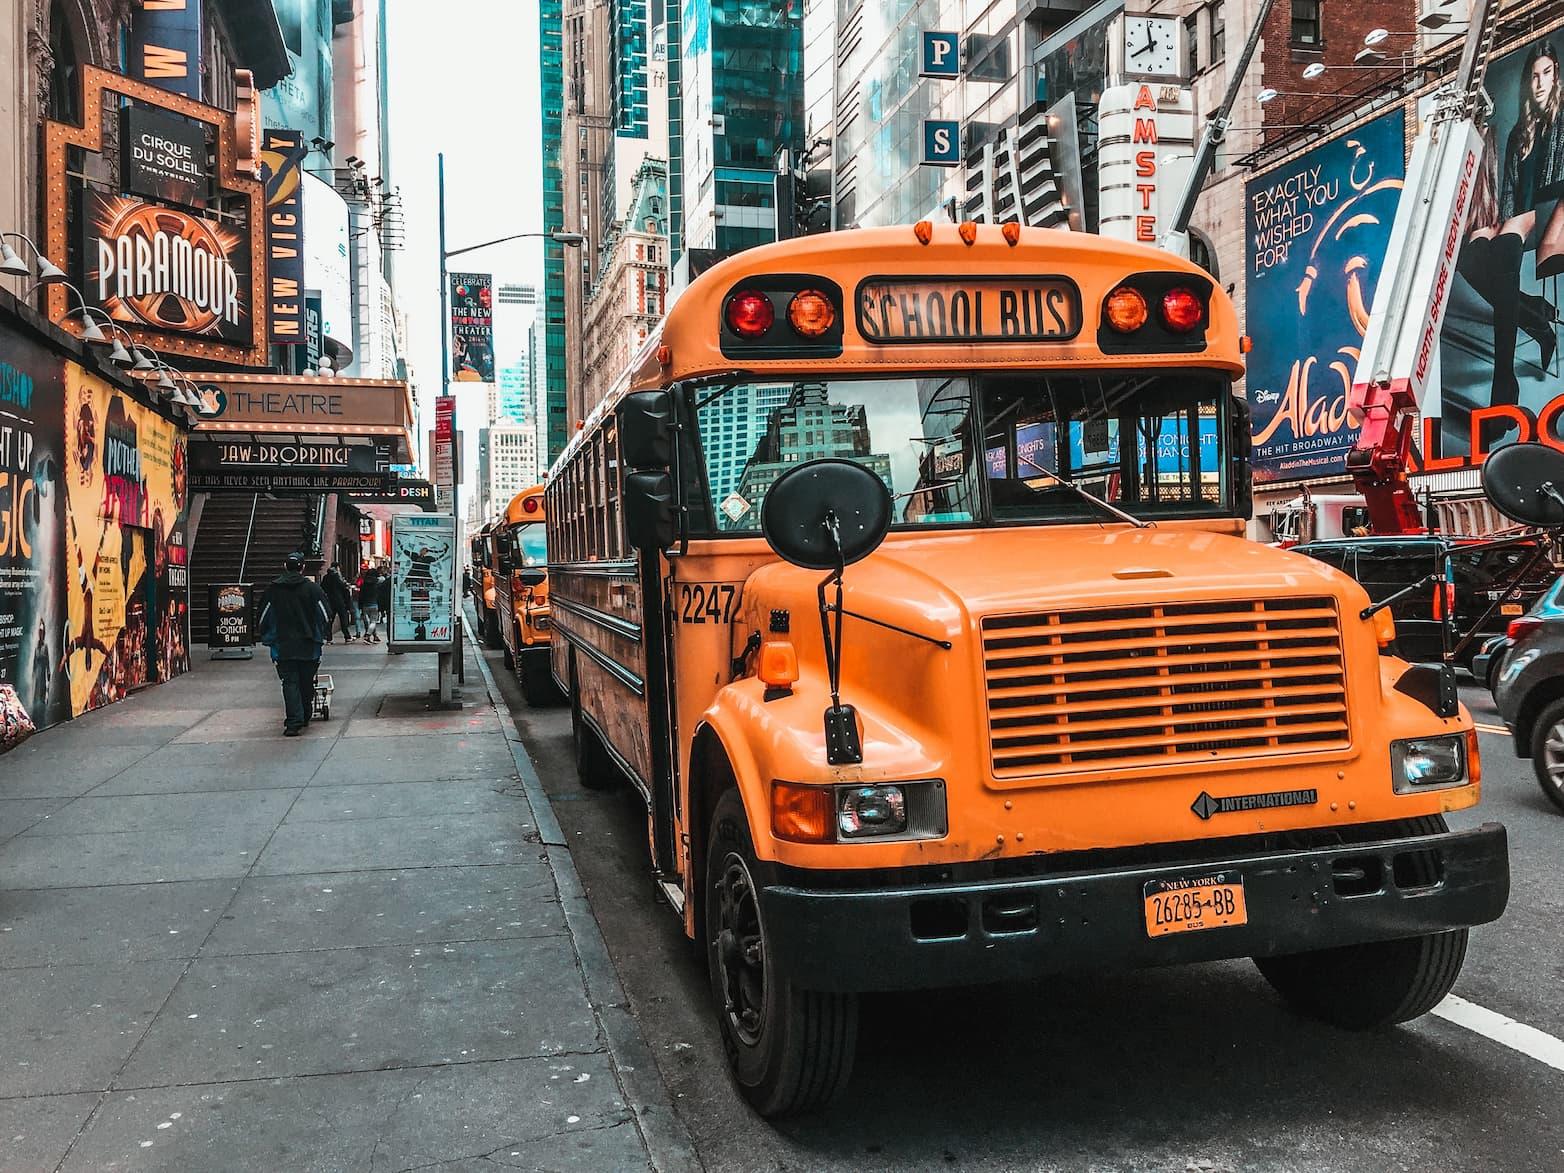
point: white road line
(1517, 1036)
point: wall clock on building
(1150, 47)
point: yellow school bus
(904, 577)
(521, 594)
(485, 572)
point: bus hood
(916, 578)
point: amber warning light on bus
(782, 315)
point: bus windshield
(531, 544)
(973, 450)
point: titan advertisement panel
(423, 583)
(472, 325)
(157, 268)
(32, 527)
(282, 161)
(1316, 230)
(127, 584)
(163, 156)
(1499, 368)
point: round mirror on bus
(797, 513)
(1525, 482)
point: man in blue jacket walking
(295, 618)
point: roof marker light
(1011, 230)
(924, 231)
(968, 231)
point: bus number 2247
(707, 602)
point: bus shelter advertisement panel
(1499, 372)
(32, 532)
(1316, 229)
(126, 577)
(423, 579)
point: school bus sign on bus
(904, 578)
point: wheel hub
(740, 949)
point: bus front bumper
(955, 934)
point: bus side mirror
(651, 517)
(1240, 448)
(1525, 482)
(506, 565)
(646, 429)
(533, 576)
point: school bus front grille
(1179, 682)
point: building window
(64, 74)
(1306, 22)
(1192, 44)
(1218, 34)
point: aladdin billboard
(1315, 233)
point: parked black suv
(1528, 688)
(1386, 565)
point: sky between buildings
(463, 80)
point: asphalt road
(1190, 1069)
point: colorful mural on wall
(126, 585)
(32, 519)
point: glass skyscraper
(739, 94)
(552, 84)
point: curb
(667, 1141)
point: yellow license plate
(1512, 609)
(1191, 904)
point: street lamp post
(569, 240)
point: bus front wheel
(491, 627)
(790, 1050)
(537, 682)
(1381, 983)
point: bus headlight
(862, 811)
(1421, 763)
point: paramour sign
(163, 156)
(941, 55)
(157, 268)
(975, 309)
(231, 615)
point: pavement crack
(494, 1155)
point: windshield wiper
(1087, 495)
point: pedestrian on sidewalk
(295, 620)
(341, 601)
(369, 601)
(383, 595)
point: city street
(1198, 1068)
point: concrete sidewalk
(221, 949)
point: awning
(304, 407)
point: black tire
(1548, 763)
(594, 768)
(789, 1050)
(491, 628)
(1378, 984)
(510, 660)
(537, 681)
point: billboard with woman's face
(1500, 378)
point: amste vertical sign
(444, 457)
